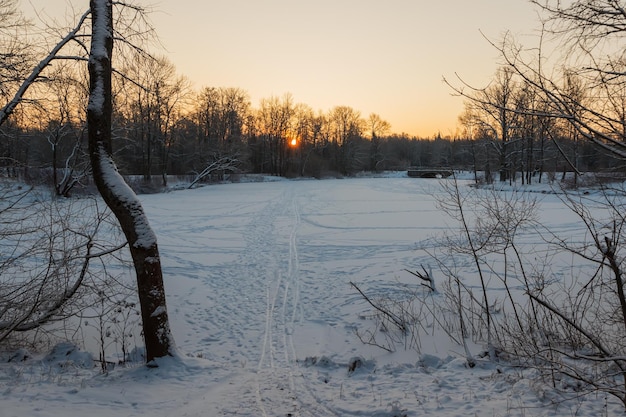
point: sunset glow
(376, 57)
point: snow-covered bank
(257, 278)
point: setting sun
(293, 142)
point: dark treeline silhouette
(162, 127)
(56, 154)
(521, 126)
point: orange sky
(378, 57)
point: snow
(100, 29)
(98, 52)
(124, 195)
(146, 237)
(258, 289)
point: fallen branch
(219, 164)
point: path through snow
(257, 279)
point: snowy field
(258, 286)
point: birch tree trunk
(120, 198)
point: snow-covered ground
(258, 285)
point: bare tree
(569, 326)
(377, 128)
(151, 101)
(221, 115)
(63, 121)
(222, 118)
(66, 234)
(14, 55)
(18, 95)
(587, 32)
(275, 118)
(496, 104)
(474, 131)
(303, 137)
(346, 127)
(118, 195)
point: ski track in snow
(279, 388)
(257, 280)
(250, 303)
(258, 308)
(259, 313)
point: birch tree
(118, 195)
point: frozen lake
(258, 287)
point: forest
(127, 116)
(165, 128)
(162, 126)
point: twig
(395, 319)
(425, 276)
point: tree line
(149, 121)
(162, 126)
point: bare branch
(6, 111)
